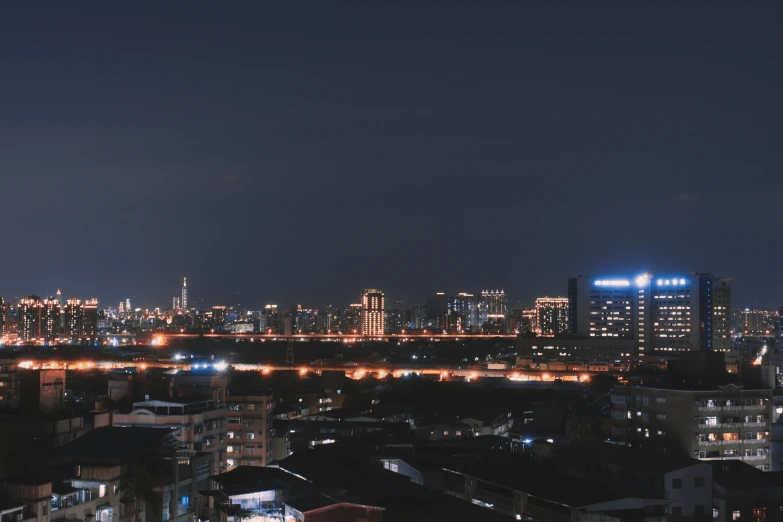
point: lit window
(735, 515)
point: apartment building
(201, 425)
(249, 430)
(726, 423)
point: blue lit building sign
(612, 282)
(674, 281)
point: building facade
(551, 316)
(200, 425)
(373, 312)
(728, 423)
(249, 430)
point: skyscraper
(50, 326)
(74, 320)
(30, 312)
(5, 309)
(601, 307)
(90, 319)
(373, 312)
(175, 303)
(494, 306)
(682, 313)
(551, 316)
(128, 309)
(185, 293)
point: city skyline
(301, 153)
(421, 299)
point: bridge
(162, 337)
(352, 371)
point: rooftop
(305, 504)
(112, 444)
(251, 479)
(630, 457)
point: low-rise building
(249, 430)
(198, 425)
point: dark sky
(300, 151)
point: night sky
(300, 151)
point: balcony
(708, 409)
(763, 424)
(755, 441)
(708, 443)
(709, 426)
(754, 458)
(755, 407)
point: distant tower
(128, 308)
(373, 312)
(185, 293)
(59, 297)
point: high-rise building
(128, 309)
(601, 307)
(5, 312)
(496, 305)
(660, 314)
(121, 308)
(175, 303)
(50, 327)
(270, 320)
(218, 315)
(551, 316)
(682, 313)
(373, 312)
(185, 293)
(437, 310)
(305, 320)
(464, 306)
(60, 297)
(30, 313)
(754, 322)
(419, 316)
(74, 320)
(90, 320)
(352, 319)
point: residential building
(200, 425)
(10, 385)
(494, 306)
(373, 312)
(73, 324)
(684, 483)
(249, 436)
(42, 391)
(30, 313)
(727, 423)
(551, 316)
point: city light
(220, 366)
(612, 282)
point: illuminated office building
(373, 312)
(661, 314)
(175, 303)
(128, 309)
(464, 306)
(551, 316)
(601, 307)
(185, 293)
